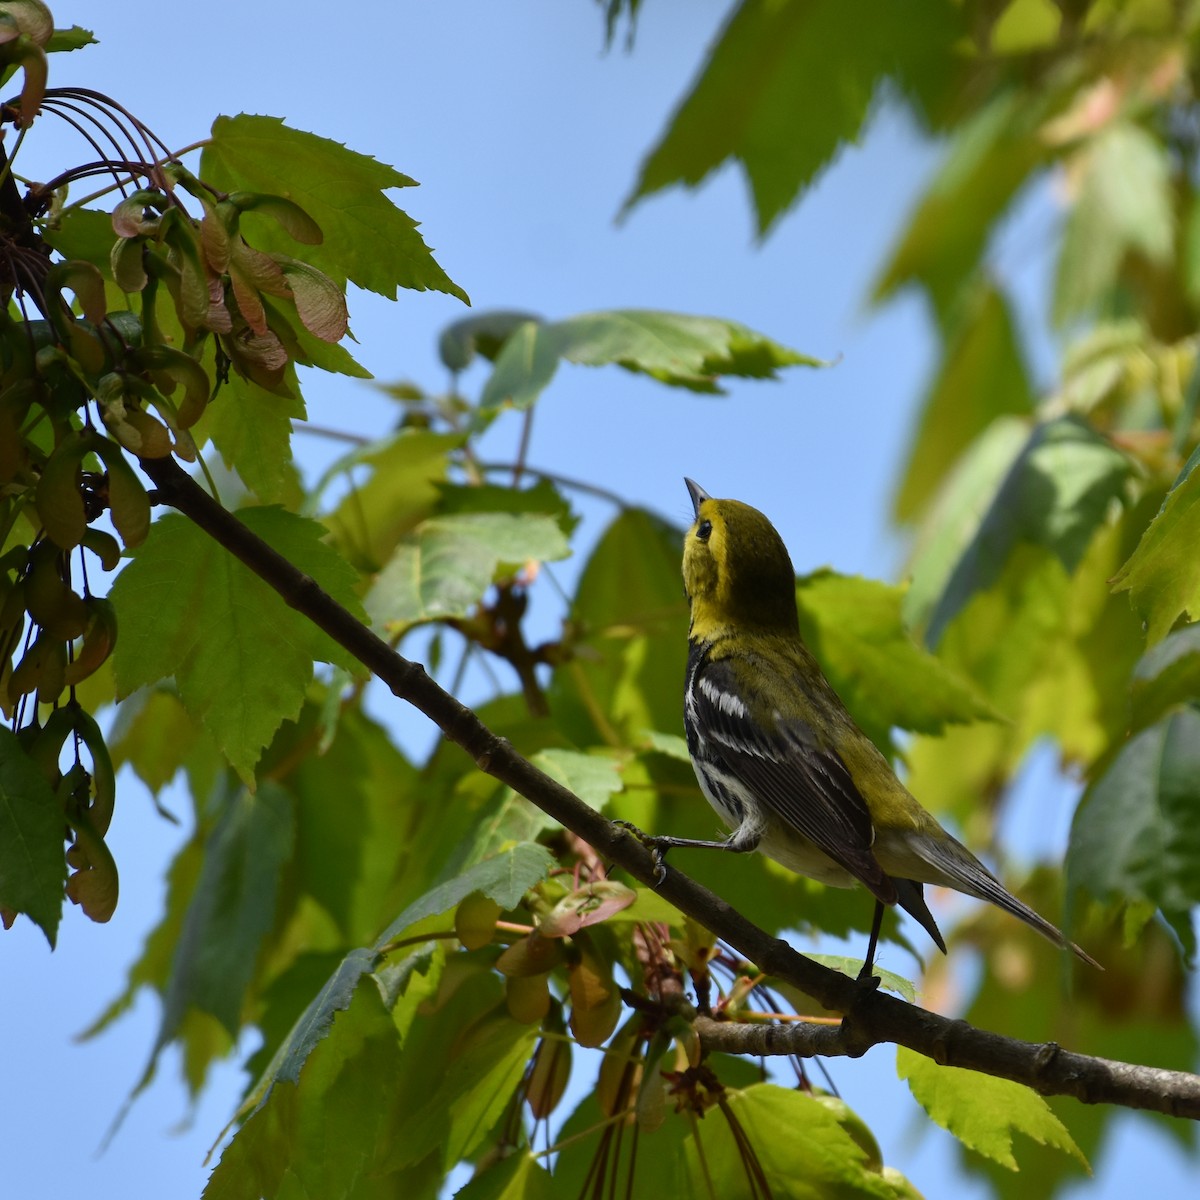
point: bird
(779, 757)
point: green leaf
(542, 497)
(232, 908)
(981, 376)
(981, 1111)
(350, 854)
(1125, 203)
(904, 988)
(241, 657)
(443, 568)
(1055, 493)
(367, 239)
(154, 735)
(993, 153)
(774, 98)
(74, 38)
(804, 1150)
(325, 1137)
(33, 865)
(518, 1177)
(401, 491)
(1136, 832)
(855, 629)
(483, 333)
(633, 626)
(252, 428)
(228, 915)
(1168, 675)
(505, 878)
(674, 348)
(471, 1096)
(1162, 575)
(594, 778)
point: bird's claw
(658, 851)
(866, 980)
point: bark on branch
(871, 1017)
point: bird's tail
(965, 873)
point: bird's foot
(658, 848)
(867, 979)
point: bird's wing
(802, 784)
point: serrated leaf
(252, 428)
(855, 629)
(446, 565)
(981, 1111)
(241, 658)
(228, 915)
(1162, 575)
(33, 866)
(904, 988)
(232, 908)
(793, 1136)
(1136, 832)
(74, 38)
(504, 878)
(772, 66)
(367, 239)
(594, 778)
(1055, 493)
(319, 1138)
(674, 348)
(670, 744)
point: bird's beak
(697, 493)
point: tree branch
(871, 1016)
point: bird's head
(736, 569)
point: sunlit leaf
(1055, 492)
(241, 658)
(367, 239)
(317, 1138)
(444, 567)
(673, 348)
(634, 630)
(887, 681)
(772, 67)
(518, 1177)
(981, 1111)
(797, 1141)
(1125, 202)
(1163, 574)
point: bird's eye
(703, 530)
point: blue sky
(525, 136)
